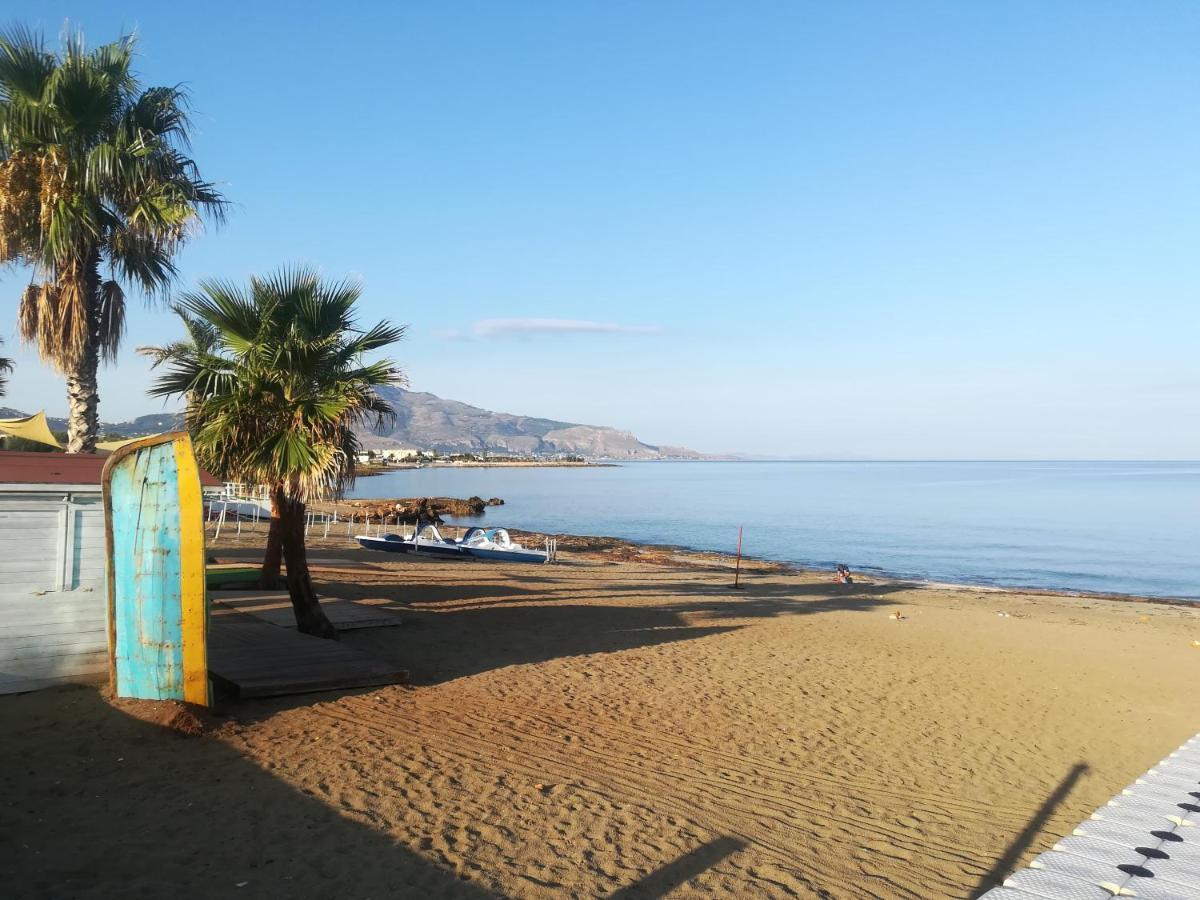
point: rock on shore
(425, 509)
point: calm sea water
(1123, 527)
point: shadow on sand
(193, 818)
(662, 881)
(438, 645)
(190, 817)
(1008, 859)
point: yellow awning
(32, 428)
(116, 445)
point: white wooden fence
(52, 600)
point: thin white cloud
(489, 328)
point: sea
(1110, 527)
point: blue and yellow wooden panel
(157, 608)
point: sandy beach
(617, 727)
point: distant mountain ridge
(425, 421)
(428, 422)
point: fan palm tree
(275, 381)
(96, 195)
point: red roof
(62, 468)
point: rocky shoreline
(408, 510)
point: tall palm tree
(96, 195)
(275, 382)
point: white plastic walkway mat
(1144, 843)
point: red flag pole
(737, 572)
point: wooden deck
(223, 574)
(251, 658)
(275, 607)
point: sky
(854, 229)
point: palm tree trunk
(83, 400)
(310, 618)
(83, 390)
(268, 578)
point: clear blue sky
(875, 229)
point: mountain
(428, 422)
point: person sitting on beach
(843, 574)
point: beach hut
(53, 606)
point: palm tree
(6, 366)
(96, 192)
(275, 382)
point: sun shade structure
(117, 445)
(32, 428)
(1144, 843)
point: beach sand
(617, 728)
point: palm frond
(141, 258)
(114, 61)
(54, 317)
(6, 366)
(381, 335)
(110, 319)
(25, 65)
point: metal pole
(737, 572)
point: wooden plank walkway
(251, 658)
(276, 608)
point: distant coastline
(369, 470)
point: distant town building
(393, 455)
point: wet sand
(619, 726)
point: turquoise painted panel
(146, 583)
